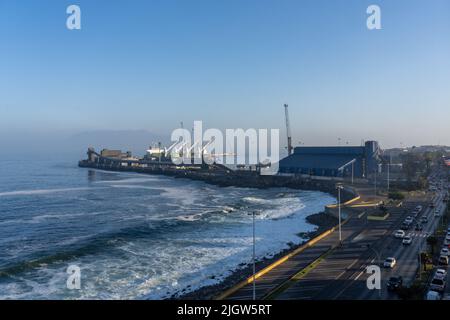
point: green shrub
(396, 195)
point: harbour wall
(230, 178)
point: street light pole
(339, 187)
(254, 259)
(353, 171)
(388, 173)
(375, 174)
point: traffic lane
(333, 282)
(334, 278)
(407, 259)
(279, 275)
(358, 289)
(327, 277)
(318, 277)
(350, 286)
(407, 256)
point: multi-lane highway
(339, 271)
(342, 274)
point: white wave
(193, 217)
(132, 186)
(254, 200)
(227, 209)
(42, 191)
(159, 267)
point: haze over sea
(133, 236)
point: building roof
(346, 150)
(316, 161)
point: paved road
(407, 261)
(277, 276)
(407, 256)
(341, 274)
(335, 277)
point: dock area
(216, 174)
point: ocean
(133, 236)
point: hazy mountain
(53, 144)
(136, 141)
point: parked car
(407, 240)
(443, 260)
(445, 252)
(440, 273)
(433, 295)
(437, 284)
(394, 283)
(447, 240)
(399, 234)
(390, 262)
(409, 220)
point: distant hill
(136, 141)
(54, 144)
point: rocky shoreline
(323, 222)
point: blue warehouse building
(334, 161)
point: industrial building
(337, 161)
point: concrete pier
(215, 174)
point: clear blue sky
(231, 63)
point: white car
(390, 262)
(437, 213)
(440, 273)
(433, 295)
(399, 234)
(438, 284)
(407, 239)
(409, 220)
(445, 252)
(447, 240)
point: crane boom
(288, 130)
